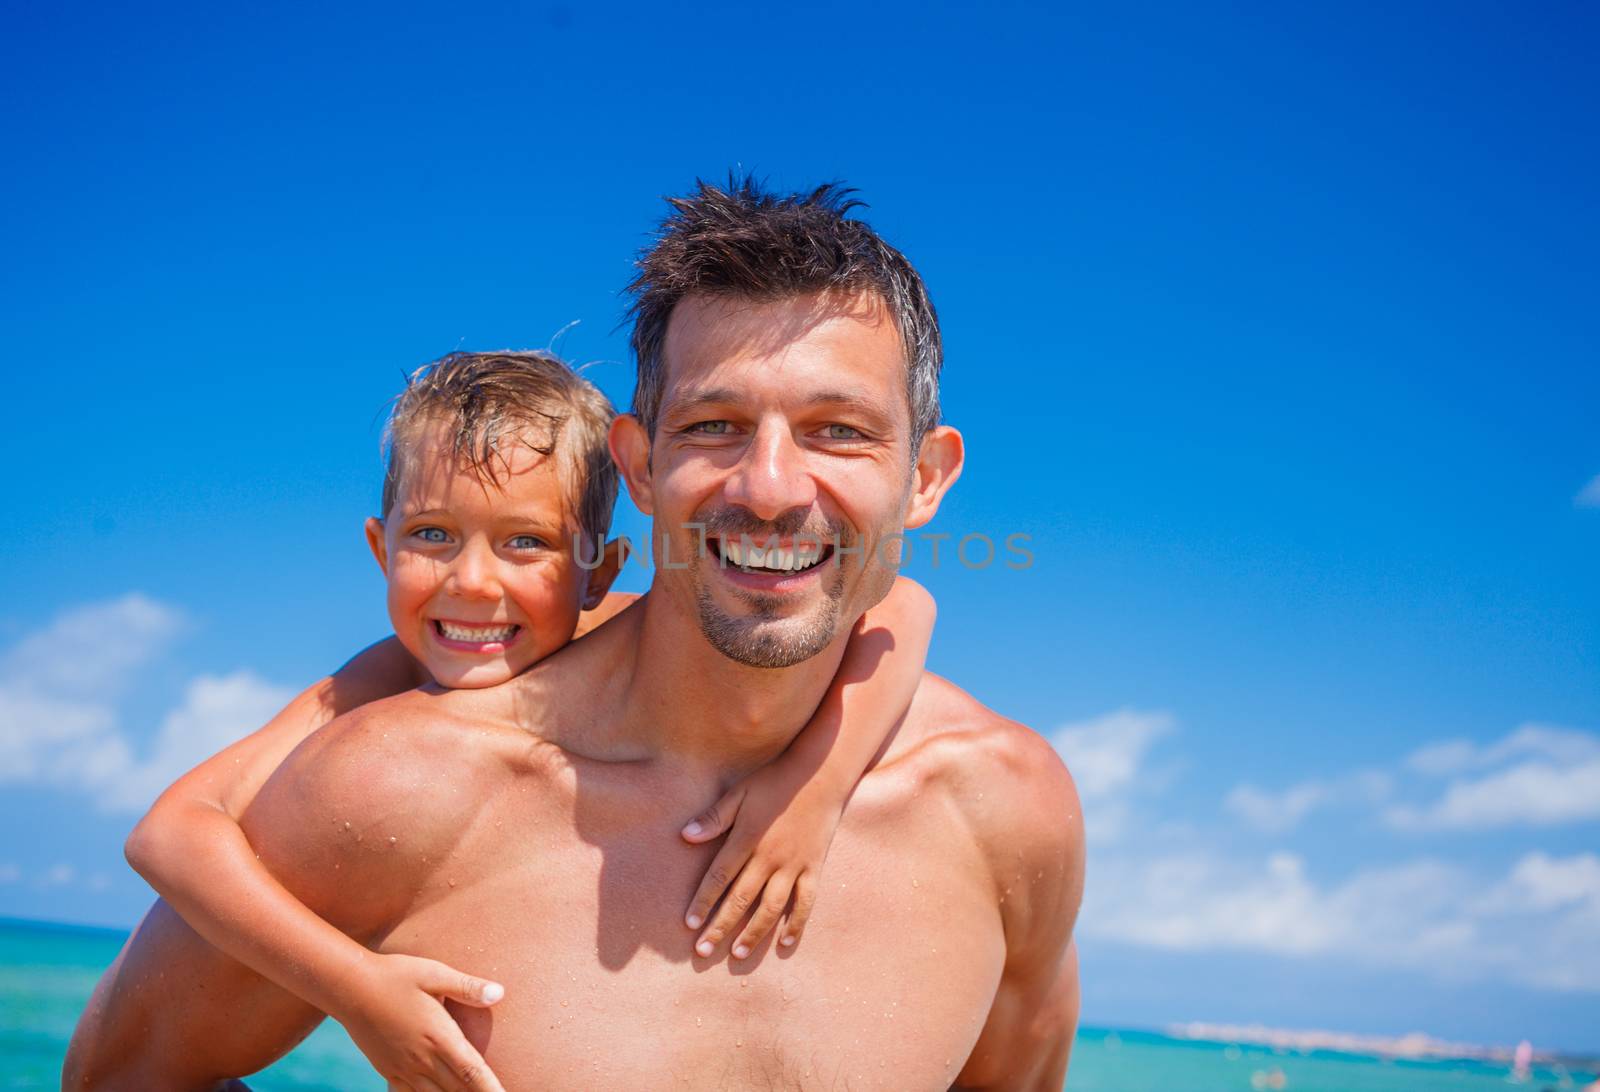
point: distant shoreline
(1414, 1045)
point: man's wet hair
(743, 242)
(489, 401)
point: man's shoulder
(414, 746)
(1006, 780)
(370, 805)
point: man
(787, 397)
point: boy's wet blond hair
(489, 400)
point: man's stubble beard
(765, 640)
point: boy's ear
(630, 450)
(938, 466)
(603, 574)
(377, 543)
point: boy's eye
(435, 535)
(527, 542)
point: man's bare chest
(889, 988)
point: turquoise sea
(47, 972)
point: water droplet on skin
(347, 824)
(393, 840)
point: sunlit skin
(529, 831)
(462, 548)
(793, 416)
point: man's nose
(772, 476)
(474, 573)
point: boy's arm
(190, 848)
(783, 816)
(174, 1012)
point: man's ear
(602, 575)
(938, 466)
(377, 543)
(630, 450)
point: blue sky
(1273, 328)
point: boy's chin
(458, 676)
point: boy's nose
(474, 575)
(771, 477)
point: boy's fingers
(724, 867)
(731, 912)
(773, 900)
(715, 819)
(805, 897)
(446, 981)
(463, 1068)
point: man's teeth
(478, 634)
(781, 559)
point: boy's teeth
(783, 559)
(480, 634)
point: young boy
(498, 494)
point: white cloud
(1589, 495)
(92, 649)
(1537, 775)
(1106, 756)
(9, 873)
(59, 719)
(1275, 812)
(1540, 882)
(1539, 925)
(215, 712)
(1530, 740)
(1280, 812)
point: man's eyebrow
(691, 400)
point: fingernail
(787, 941)
(492, 992)
(692, 921)
(692, 829)
(740, 951)
(703, 948)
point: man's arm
(173, 1012)
(1031, 826)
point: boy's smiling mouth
(475, 637)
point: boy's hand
(783, 818)
(396, 1015)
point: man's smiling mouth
(747, 556)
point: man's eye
(527, 542)
(435, 535)
(711, 428)
(842, 432)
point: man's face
(780, 463)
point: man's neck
(677, 699)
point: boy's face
(482, 577)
